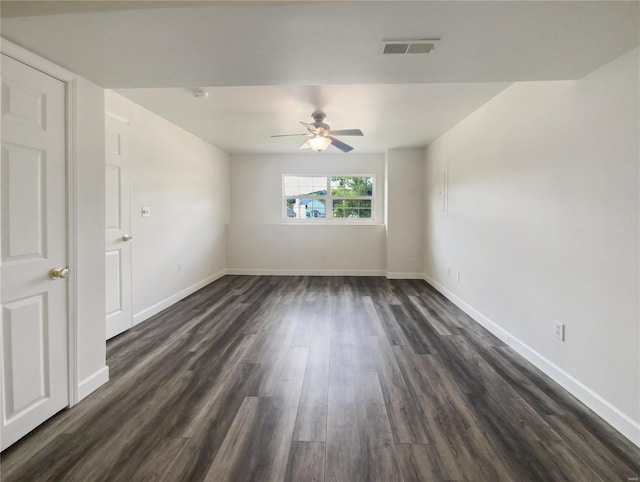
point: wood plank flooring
(320, 379)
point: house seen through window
(328, 197)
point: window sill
(331, 223)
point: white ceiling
(242, 119)
(267, 65)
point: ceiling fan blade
(313, 129)
(347, 132)
(290, 135)
(341, 145)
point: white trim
(605, 409)
(117, 118)
(329, 222)
(494, 328)
(93, 382)
(39, 63)
(158, 307)
(397, 275)
(306, 272)
(72, 243)
(70, 80)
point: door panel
(33, 332)
(113, 192)
(25, 322)
(23, 104)
(119, 315)
(113, 271)
(24, 230)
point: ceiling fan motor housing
(318, 117)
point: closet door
(34, 271)
(118, 239)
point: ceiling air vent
(418, 46)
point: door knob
(59, 273)
(127, 237)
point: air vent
(395, 48)
(418, 46)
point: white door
(118, 227)
(33, 333)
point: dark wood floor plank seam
(320, 378)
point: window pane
(351, 186)
(315, 208)
(305, 185)
(291, 213)
(352, 208)
(319, 183)
(290, 190)
(302, 208)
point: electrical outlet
(449, 272)
(559, 331)
(179, 267)
(458, 276)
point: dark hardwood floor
(320, 378)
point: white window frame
(329, 201)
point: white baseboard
(93, 382)
(306, 272)
(612, 415)
(396, 275)
(158, 307)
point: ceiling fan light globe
(319, 143)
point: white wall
(405, 213)
(185, 182)
(259, 240)
(543, 224)
(90, 274)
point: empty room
(320, 241)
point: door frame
(70, 81)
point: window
(328, 197)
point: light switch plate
(146, 211)
(558, 330)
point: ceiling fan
(321, 136)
